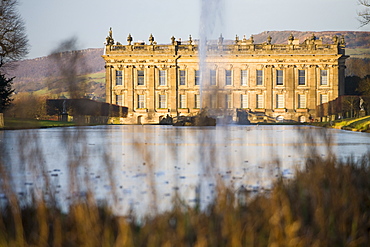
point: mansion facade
(269, 81)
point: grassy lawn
(16, 123)
(356, 124)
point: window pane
(213, 77)
(197, 77)
(140, 101)
(182, 77)
(301, 101)
(162, 101)
(228, 101)
(212, 101)
(244, 77)
(244, 101)
(279, 77)
(259, 78)
(140, 77)
(324, 77)
(260, 101)
(118, 77)
(162, 77)
(119, 100)
(197, 101)
(228, 78)
(182, 101)
(301, 77)
(323, 98)
(280, 101)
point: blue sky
(49, 22)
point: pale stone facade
(272, 81)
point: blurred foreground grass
(327, 204)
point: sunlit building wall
(275, 81)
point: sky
(50, 22)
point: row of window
(260, 101)
(228, 77)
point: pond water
(142, 168)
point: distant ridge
(32, 74)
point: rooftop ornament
(244, 39)
(335, 39)
(110, 40)
(236, 39)
(220, 40)
(151, 39)
(173, 40)
(129, 39)
(291, 39)
(269, 40)
(190, 40)
(342, 42)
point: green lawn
(16, 123)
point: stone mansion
(271, 81)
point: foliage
(27, 105)
(364, 86)
(6, 92)
(364, 14)
(357, 67)
(325, 205)
(13, 38)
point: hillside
(41, 75)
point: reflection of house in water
(274, 81)
(85, 111)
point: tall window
(244, 101)
(301, 101)
(259, 77)
(260, 101)
(140, 77)
(162, 101)
(323, 77)
(280, 101)
(279, 77)
(244, 77)
(140, 101)
(119, 100)
(228, 78)
(228, 101)
(118, 77)
(197, 101)
(301, 77)
(323, 98)
(182, 77)
(197, 77)
(162, 77)
(182, 101)
(212, 100)
(213, 77)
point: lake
(141, 168)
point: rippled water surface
(145, 166)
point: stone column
(269, 85)
(108, 84)
(150, 87)
(289, 86)
(129, 85)
(311, 100)
(173, 92)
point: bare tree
(364, 14)
(13, 45)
